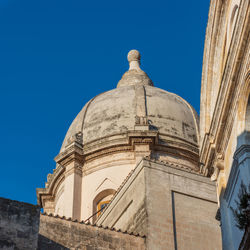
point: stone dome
(135, 105)
(111, 135)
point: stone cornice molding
(74, 152)
(54, 181)
(143, 137)
(225, 111)
(121, 143)
(54, 176)
(205, 158)
(243, 150)
(52, 184)
(212, 31)
(107, 151)
(235, 72)
(218, 166)
(237, 50)
(74, 158)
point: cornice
(231, 71)
(73, 152)
(108, 151)
(121, 143)
(228, 96)
(50, 185)
(144, 138)
(242, 150)
(212, 30)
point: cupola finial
(134, 76)
(134, 58)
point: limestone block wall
(19, 223)
(181, 209)
(194, 221)
(59, 233)
(173, 207)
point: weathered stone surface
(115, 130)
(174, 208)
(19, 224)
(225, 108)
(115, 112)
(56, 233)
(119, 110)
(129, 214)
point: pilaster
(72, 195)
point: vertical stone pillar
(72, 160)
(73, 187)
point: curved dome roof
(135, 98)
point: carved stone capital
(215, 174)
(218, 166)
(74, 152)
(74, 168)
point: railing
(88, 220)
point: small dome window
(101, 205)
(101, 201)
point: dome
(135, 105)
(112, 134)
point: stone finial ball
(134, 55)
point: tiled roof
(92, 225)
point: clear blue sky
(56, 55)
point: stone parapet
(61, 233)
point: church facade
(224, 115)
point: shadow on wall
(19, 224)
(45, 243)
(7, 244)
(229, 197)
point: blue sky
(56, 55)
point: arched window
(102, 204)
(101, 201)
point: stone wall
(181, 208)
(191, 214)
(138, 222)
(128, 210)
(173, 207)
(19, 223)
(59, 233)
